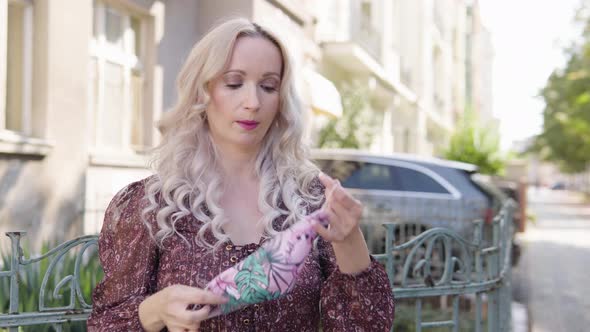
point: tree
(355, 129)
(565, 138)
(476, 144)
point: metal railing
(436, 263)
(77, 308)
(440, 263)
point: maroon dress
(135, 267)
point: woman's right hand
(169, 308)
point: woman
(231, 172)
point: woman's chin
(248, 142)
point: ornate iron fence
(439, 263)
(77, 308)
(436, 263)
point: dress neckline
(251, 245)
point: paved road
(553, 275)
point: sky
(528, 38)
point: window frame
(26, 72)
(102, 53)
(19, 142)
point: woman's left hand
(344, 214)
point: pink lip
(248, 125)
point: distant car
(415, 192)
(500, 191)
(497, 196)
(558, 186)
(511, 189)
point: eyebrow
(267, 74)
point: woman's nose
(252, 100)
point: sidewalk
(552, 276)
(520, 317)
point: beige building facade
(83, 81)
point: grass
(405, 317)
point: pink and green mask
(269, 272)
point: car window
(370, 176)
(415, 181)
(338, 169)
(358, 175)
(365, 175)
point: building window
(116, 79)
(16, 56)
(407, 138)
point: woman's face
(245, 97)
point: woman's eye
(234, 86)
(268, 88)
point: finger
(190, 320)
(200, 315)
(183, 327)
(334, 232)
(344, 214)
(342, 199)
(329, 183)
(341, 196)
(190, 329)
(201, 296)
(343, 223)
(325, 233)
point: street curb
(520, 318)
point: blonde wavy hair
(186, 164)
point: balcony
(356, 45)
(364, 34)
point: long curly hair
(186, 162)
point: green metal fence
(436, 263)
(440, 263)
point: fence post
(522, 193)
(389, 243)
(506, 268)
(479, 277)
(15, 257)
(493, 261)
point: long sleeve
(129, 257)
(361, 302)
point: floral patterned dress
(135, 267)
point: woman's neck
(238, 166)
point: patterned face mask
(269, 272)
